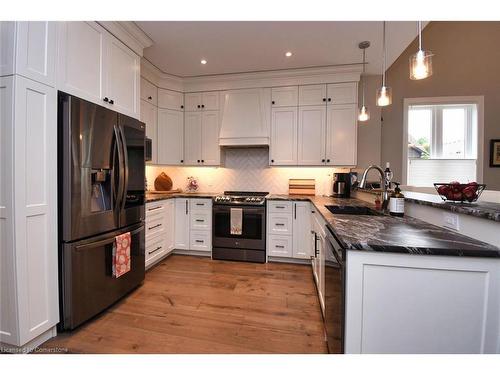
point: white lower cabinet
(288, 229)
(159, 230)
(29, 307)
(193, 224)
(421, 304)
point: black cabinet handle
(279, 224)
(279, 246)
(182, 107)
(186, 206)
(295, 211)
(198, 161)
(322, 160)
(202, 160)
(105, 99)
(155, 250)
(272, 160)
(182, 161)
(327, 160)
(203, 106)
(154, 208)
(200, 204)
(198, 106)
(111, 101)
(272, 102)
(324, 99)
(150, 97)
(199, 241)
(280, 206)
(200, 220)
(329, 99)
(154, 226)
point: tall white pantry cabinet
(28, 189)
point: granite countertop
(153, 197)
(386, 233)
(485, 210)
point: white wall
(244, 169)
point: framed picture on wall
(495, 153)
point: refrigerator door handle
(125, 167)
(121, 168)
(106, 241)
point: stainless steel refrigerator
(101, 195)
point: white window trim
(477, 100)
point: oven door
(253, 235)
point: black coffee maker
(341, 185)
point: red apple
(443, 190)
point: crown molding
(273, 78)
(129, 33)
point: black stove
(248, 198)
(249, 243)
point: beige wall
(369, 132)
(466, 63)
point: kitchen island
(413, 287)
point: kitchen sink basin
(352, 210)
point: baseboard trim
(288, 260)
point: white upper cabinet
(94, 65)
(149, 115)
(285, 96)
(210, 101)
(283, 148)
(201, 138)
(81, 55)
(198, 101)
(122, 72)
(192, 138)
(342, 93)
(341, 135)
(170, 137)
(311, 139)
(29, 49)
(149, 92)
(210, 150)
(170, 99)
(312, 95)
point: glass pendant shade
(384, 96)
(364, 114)
(421, 65)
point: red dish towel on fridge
(121, 254)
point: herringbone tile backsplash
(244, 169)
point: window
(442, 141)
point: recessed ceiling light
(288, 54)
(203, 61)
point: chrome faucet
(384, 182)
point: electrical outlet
(451, 221)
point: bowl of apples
(457, 192)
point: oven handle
(246, 209)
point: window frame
(447, 100)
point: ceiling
(234, 47)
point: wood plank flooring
(197, 305)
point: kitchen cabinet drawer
(312, 95)
(342, 93)
(149, 92)
(285, 96)
(280, 206)
(201, 220)
(169, 99)
(201, 240)
(279, 224)
(155, 225)
(279, 246)
(154, 209)
(155, 249)
(196, 204)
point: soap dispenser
(397, 202)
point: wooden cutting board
(301, 186)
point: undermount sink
(352, 210)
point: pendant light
(384, 94)
(420, 62)
(364, 114)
